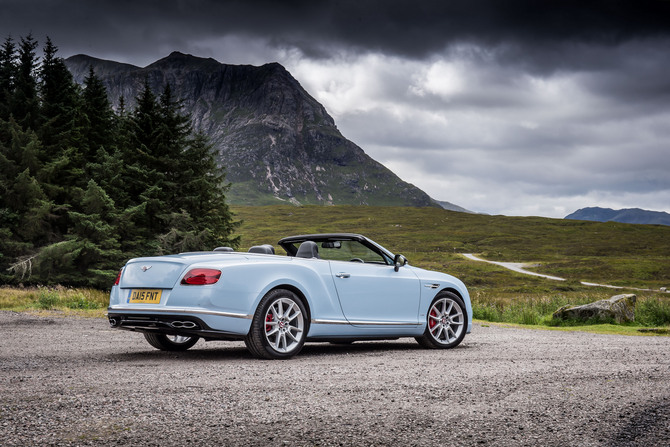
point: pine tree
(19, 165)
(7, 76)
(9, 169)
(24, 103)
(172, 138)
(89, 254)
(83, 188)
(146, 121)
(99, 114)
(28, 224)
(60, 105)
(34, 209)
(201, 195)
(60, 131)
(146, 174)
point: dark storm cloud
(408, 29)
(416, 29)
(532, 106)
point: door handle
(343, 275)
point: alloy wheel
(284, 325)
(446, 321)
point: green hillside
(611, 253)
(606, 253)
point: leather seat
(308, 249)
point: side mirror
(399, 261)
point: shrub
(78, 301)
(653, 312)
(48, 299)
(61, 297)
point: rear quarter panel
(244, 284)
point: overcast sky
(516, 107)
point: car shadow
(238, 352)
(366, 347)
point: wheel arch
(452, 290)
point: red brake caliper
(432, 322)
(268, 317)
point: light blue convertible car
(337, 288)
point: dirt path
(521, 268)
(515, 266)
(74, 381)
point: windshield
(348, 250)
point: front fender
(432, 283)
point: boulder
(620, 308)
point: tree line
(84, 187)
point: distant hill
(630, 215)
(276, 141)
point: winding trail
(515, 266)
(519, 267)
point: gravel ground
(74, 381)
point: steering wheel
(357, 260)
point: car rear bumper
(202, 323)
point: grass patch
(651, 310)
(87, 301)
(606, 329)
(654, 311)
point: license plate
(150, 296)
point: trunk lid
(152, 273)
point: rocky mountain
(276, 141)
(629, 215)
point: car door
(377, 295)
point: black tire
(446, 322)
(279, 327)
(170, 342)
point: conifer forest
(84, 187)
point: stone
(620, 308)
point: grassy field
(69, 301)
(606, 253)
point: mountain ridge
(276, 141)
(626, 215)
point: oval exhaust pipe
(183, 324)
(113, 322)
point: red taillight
(200, 277)
(118, 278)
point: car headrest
(265, 249)
(308, 249)
(223, 249)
